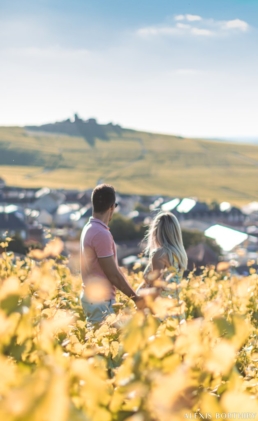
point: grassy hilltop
(136, 162)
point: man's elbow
(114, 278)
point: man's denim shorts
(96, 312)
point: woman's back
(167, 256)
(160, 267)
(171, 271)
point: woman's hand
(142, 285)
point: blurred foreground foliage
(17, 245)
(136, 366)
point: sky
(184, 67)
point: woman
(167, 256)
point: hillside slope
(135, 162)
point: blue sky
(182, 67)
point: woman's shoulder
(169, 261)
(160, 254)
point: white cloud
(190, 18)
(183, 26)
(196, 26)
(147, 31)
(202, 32)
(180, 17)
(179, 29)
(157, 30)
(193, 18)
(236, 24)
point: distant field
(135, 162)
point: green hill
(135, 162)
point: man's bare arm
(109, 267)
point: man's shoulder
(95, 231)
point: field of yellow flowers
(136, 366)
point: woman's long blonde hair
(165, 233)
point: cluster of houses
(31, 213)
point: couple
(100, 272)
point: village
(218, 232)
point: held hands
(148, 290)
(140, 303)
(144, 297)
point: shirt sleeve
(103, 244)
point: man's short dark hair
(103, 197)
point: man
(99, 268)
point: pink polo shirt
(96, 242)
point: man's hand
(141, 301)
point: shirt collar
(98, 221)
